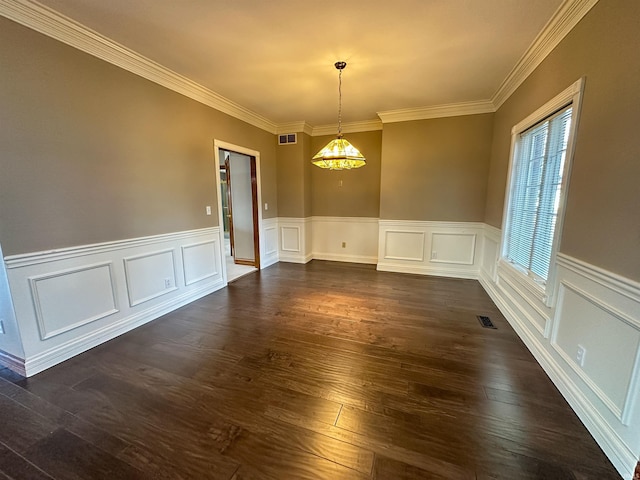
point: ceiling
(276, 58)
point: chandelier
(339, 154)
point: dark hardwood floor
(319, 371)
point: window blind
(535, 196)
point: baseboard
(334, 257)
(467, 273)
(271, 260)
(13, 363)
(292, 258)
(63, 352)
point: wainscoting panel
(69, 300)
(270, 242)
(150, 275)
(453, 248)
(201, 261)
(345, 239)
(429, 248)
(594, 309)
(294, 245)
(490, 252)
(404, 245)
(291, 239)
(612, 338)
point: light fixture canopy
(339, 154)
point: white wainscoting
(359, 235)
(69, 300)
(201, 261)
(149, 275)
(294, 244)
(55, 297)
(430, 248)
(269, 242)
(594, 309)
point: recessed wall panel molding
(67, 299)
(490, 252)
(150, 275)
(457, 248)
(294, 242)
(201, 261)
(345, 239)
(610, 349)
(429, 248)
(404, 245)
(270, 239)
(291, 239)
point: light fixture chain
(340, 103)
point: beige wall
(602, 222)
(436, 169)
(294, 178)
(359, 195)
(92, 153)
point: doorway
(239, 199)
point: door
(239, 195)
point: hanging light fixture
(339, 154)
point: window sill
(537, 289)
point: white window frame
(572, 95)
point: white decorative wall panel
(201, 261)
(269, 240)
(290, 239)
(68, 299)
(611, 341)
(345, 239)
(150, 275)
(453, 248)
(404, 245)
(294, 239)
(450, 246)
(489, 256)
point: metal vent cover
(486, 321)
(287, 138)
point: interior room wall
(348, 193)
(291, 179)
(436, 170)
(601, 223)
(93, 153)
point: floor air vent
(486, 322)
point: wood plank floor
(318, 371)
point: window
(541, 156)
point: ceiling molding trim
(59, 27)
(437, 111)
(561, 23)
(351, 127)
(294, 127)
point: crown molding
(59, 27)
(564, 19)
(351, 127)
(437, 111)
(294, 127)
(64, 29)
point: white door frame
(217, 145)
